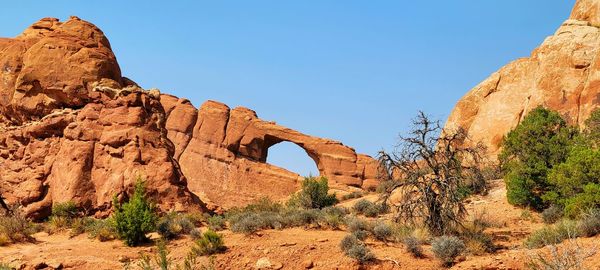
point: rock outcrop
(71, 129)
(223, 154)
(563, 74)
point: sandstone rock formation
(563, 74)
(223, 154)
(73, 129)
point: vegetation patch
(447, 248)
(135, 218)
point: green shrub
(476, 240)
(348, 242)
(80, 225)
(553, 234)
(540, 142)
(356, 249)
(447, 248)
(552, 214)
(592, 129)
(136, 218)
(368, 208)
(314, 194)
(352, 195)
(334, 216)
(361, 234)
(357, 224)
(576, 182)
(174, 224)
(16, 228)
(266, 215)
(103, 229)
(361, 253)
(216, 223)
(413, 246)
(362, 205)
(66, 209)
(589, 225)
(210, 243)
(382, 231)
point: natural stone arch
(222, 152)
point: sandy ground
(297, 248)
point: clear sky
(353, 71)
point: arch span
(223, 154)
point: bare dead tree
(428, 168)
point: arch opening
(291, 157)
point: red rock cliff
(73, 129)
(563, 74)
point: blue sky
(353, 71)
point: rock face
(73, 129)
(563, 74)
(223, 154)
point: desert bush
(334, 216)
(302, 217)
(447, 248)
(249, 223)
(267, 215)
(314, 194)
(575, 183)
(553, 234)
(216, 223)
(348, 241)
(473, 233)
(540, 142)
(382, 231)
(174, 224)
(210, 243)
(413, 246)
(352, 195)
(356, 249)
(102, 229)
(135, 218)
(361, 206)
(589, 224)
(361, 253)
(6, 266)
(195, 233)
(552, 214)
(166, 227)
(357, 224)
(361, 234)
(368, 208)
(16, 228)
(56, 224)
(80, 225)
(162, 261)
(62, 217)
(568, 257)
(429, 168)
(65, 209)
